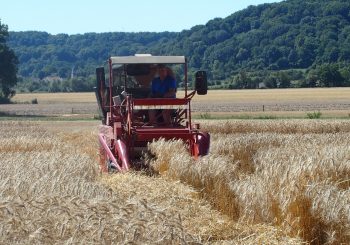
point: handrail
(161, 101)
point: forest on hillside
(294, 43)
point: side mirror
(100, 78)
(201, 84)
(100, 92)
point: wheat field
(264, 182)
(52, 192)
(294, 175)
(234, 96)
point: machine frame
(125, 131)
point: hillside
(42, 54)
(290, 34)
(293, 34)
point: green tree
(345, 73)
(283, 80)
(329, 76)
(311, 79)
(8, 67)
(270, 81)
(243, 80)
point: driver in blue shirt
(163, 86)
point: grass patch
(205, 115)
(314, 115)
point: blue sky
(81, 16)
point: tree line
(324, 75)
(294, 43)
(8, 67)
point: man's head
(162, 71)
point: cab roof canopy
(148, 59)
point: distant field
(56, 98)
(235, 96)
(331, 102)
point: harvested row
(294, 175)
(53, 194)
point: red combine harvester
(124, 102)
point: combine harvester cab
(124, 101)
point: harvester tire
(110, 167)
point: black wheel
(110, 167)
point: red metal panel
(123, 155)
(161, 101)
(163, 130)
(117, 129)
(147, 134)
(151, 136)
